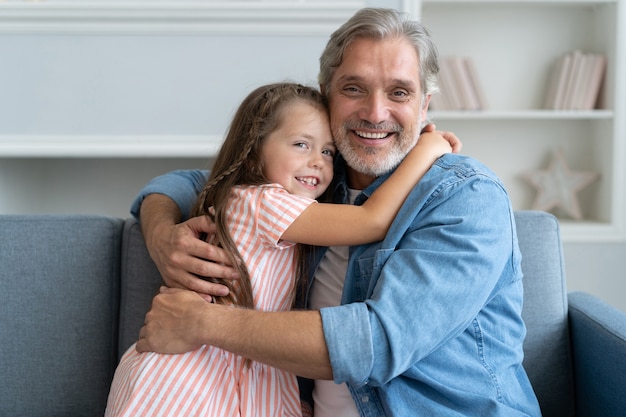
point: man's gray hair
(376, 23)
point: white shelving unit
(513, 45)
(131, 89)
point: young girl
(276, 160)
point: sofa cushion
(58, 313)
(548, 359)
(140, 281)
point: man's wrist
(157, 211)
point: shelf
(521, 2)
(91, 146)
(514, 45)
(522, 115)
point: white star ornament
(557, 186)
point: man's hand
(453, 140)
(173, 324)
(178, 251)
(181, 321)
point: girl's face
(299, 154)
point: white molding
(588, 231)
(109, 146)
(173, 17)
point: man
(430, 318)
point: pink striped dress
(210, 381)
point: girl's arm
(343, 224)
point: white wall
(597, 268)
(112, 83)
(96, 186)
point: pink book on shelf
(572, 78)
(439, 101)
(580, 82)
(553, 84)
(563, 69)
(448, 86)
(467, 93)
(477, 87)
(436, 102)
(594, 82)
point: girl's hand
(455, 142)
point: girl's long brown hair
(239, 163)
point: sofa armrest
(598, 333)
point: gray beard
(374, 168)
(378, 166)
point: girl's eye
(329, 152)
(300, 145)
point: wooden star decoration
(557, 187)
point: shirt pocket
(370, 268)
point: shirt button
(365, 398)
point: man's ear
(425, 106)
(323, 89)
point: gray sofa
(74, 290)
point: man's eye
(400, 94)
(351, 90)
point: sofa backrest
(59, 280)
(65, 288)
(548, 358)
(140, 283)
(547, 351)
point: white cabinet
(514, 45)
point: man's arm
(176, 248)
(182, 187)
(180, 321)
(439, 268)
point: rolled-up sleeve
(351, 357)
(182, 186)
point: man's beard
(371, 160)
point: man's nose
(374, 108)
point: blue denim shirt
(182, 186)
(430, 322)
